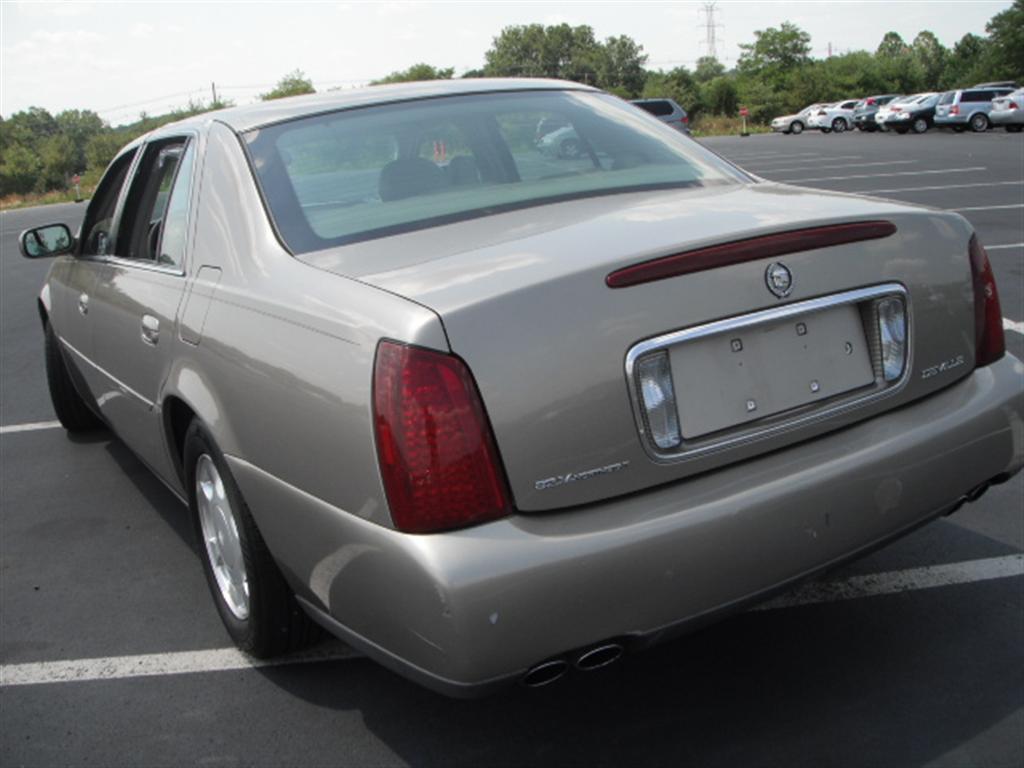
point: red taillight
(685, 120)
(989, 344)
(437, 455)
(954, 110)
(870, 102)
(1012, 105)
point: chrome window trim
(739, 322)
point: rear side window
(973, 96)
(375, 171)
(848, 105)
(657, 108)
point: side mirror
(51, 240)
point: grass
(44, 198)
(719, 125)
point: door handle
(150, 329)
(83, 304)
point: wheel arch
(43, 304)
(189, 396)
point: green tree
(295, 83)
(1006, 32)
(19, 170)
(775, 50)
(708, 68)
(79, 126)
(620, 66)
(718, 96)
(58, 161)
(533, 50)
(416, 72)
(892, 45)
(102, 148)
(930, 56)
(968, 59)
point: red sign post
(744, 113)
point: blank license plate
(735, 377)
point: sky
(120, 59)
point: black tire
(979, 123)
(72, 412)
(839, 125)
(920, 125)
(1014, 128)
(796, 127)
(275, 624)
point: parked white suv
(836, 117)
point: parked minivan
(667, 111)
(967, 108)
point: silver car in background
(795, 123)
(1008, 111)
(491, 414)
(833, 118)
(967, 108)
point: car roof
(263, 113)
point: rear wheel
(797, 127)
(920, 125)
(72, 412)
(979, 123)
(253, 600)
(839, 125)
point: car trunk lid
(525, 301)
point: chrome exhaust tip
(545, 673)
(598, 657)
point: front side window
(97, 227)
(371, 172)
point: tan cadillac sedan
(489, 413)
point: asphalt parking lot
(113, 653)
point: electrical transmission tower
(710, 29)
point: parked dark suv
(866, 109)
(967, 108)
(667, 111)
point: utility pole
(213, 90)
(710, 29)
(830, 50)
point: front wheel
(253, 600)
(979, 123)
(920, 125)
(797, 127)
(72, 412)
(839, 125)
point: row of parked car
(979, 108)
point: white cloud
(142, 31)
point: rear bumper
(466, 610)
(948, 120)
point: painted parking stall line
(937, 187)
(31, 426)
(830, 167)
(1013, 325)
(1003, 247)
(971, 169)
(229, 659)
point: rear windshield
(658, 108)
(371, 172)
(947, 97)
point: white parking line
(894, 582)
(829, 167)
(1013, 325)
(29, 427)
(988, 207)
(226, 659)
(887, 175)
(810, 159)
(942, 186)
(1003, 247)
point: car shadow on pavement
(897, 680)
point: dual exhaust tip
(597, 657)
